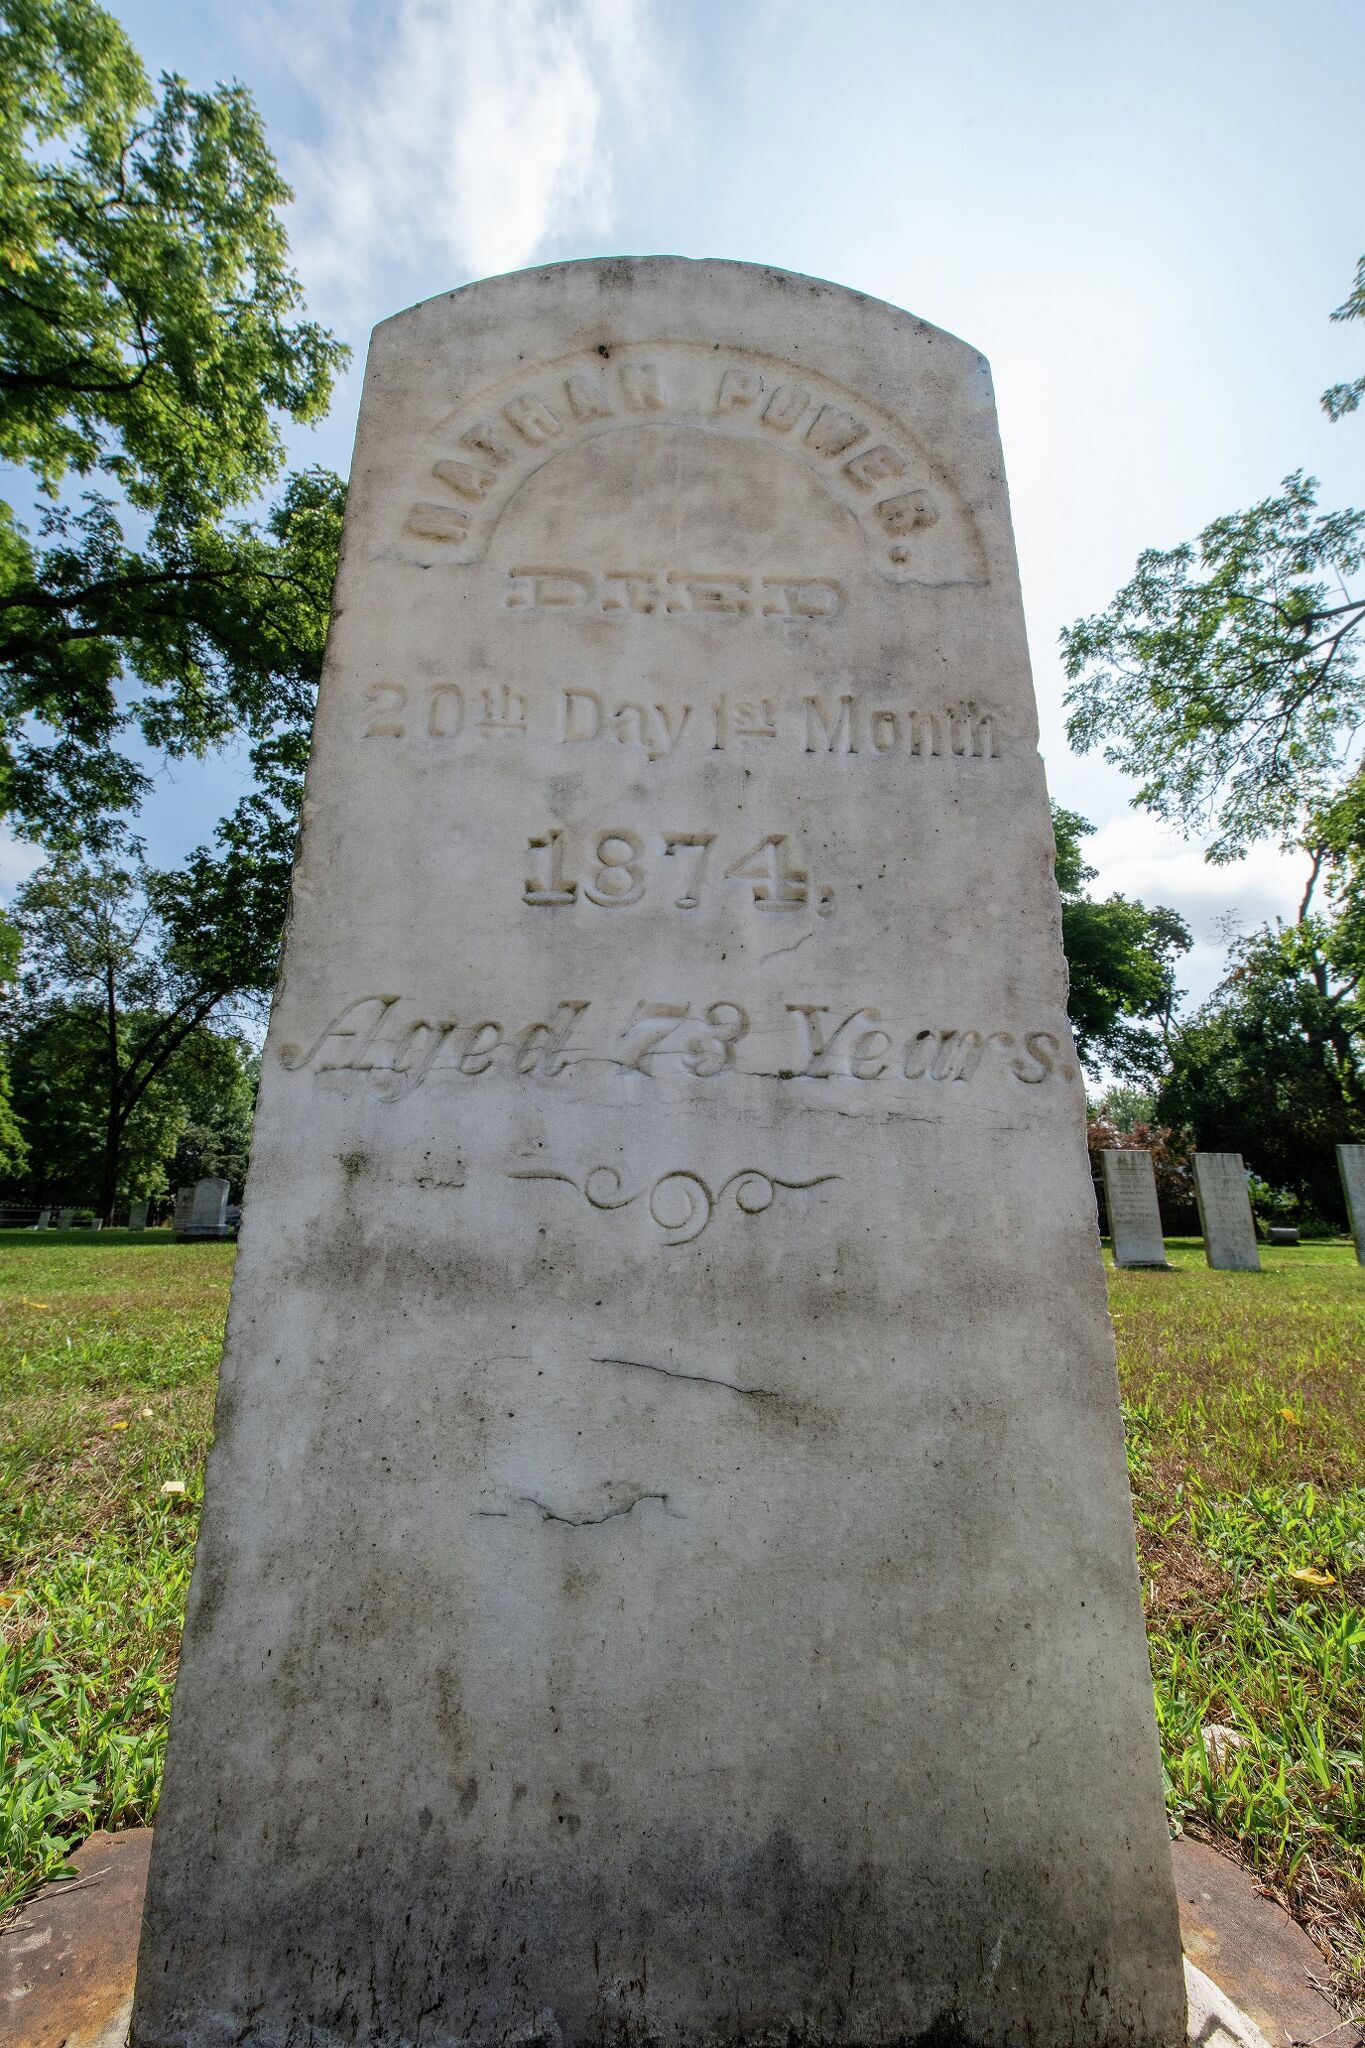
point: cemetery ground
(1245, 1406)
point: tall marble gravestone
(667, 1570)
(1134, 1217)
(1225, 1218)
(1351, 1167)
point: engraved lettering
(620, 878)
(587, 400)
(438, 522)
(552, 891)
(484, 439)
(874, 466)
(701, 843)
(776, 885)
(464, 479)
(479, 1049)
(445, 711)
(540, 1048)
(532, 419)
(548, 589)
(640, 591)
(833, 430)
(785, 407)
(845, 728)
(885, 731)
(501, 711)
(728, 594)
(803, 597)
(866, 1061)
(958, 1056)
(642, 387)
(388, 699)
(924, 732)
(410, 1067)
(739, 386)
(819, 1047)
(335, 1030)
(582, 708)
(1045, 1051)
(911, 513)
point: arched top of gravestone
(891, 418)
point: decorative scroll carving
(681, 1203)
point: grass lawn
(1245, 1399)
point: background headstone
(137, 1216)
(184, 1209)
(1134, 1217)
(44, 1219)
(208, 1207)
(667, 1571)
(1351, 1166)
(1229, 1230)
(65, 1218)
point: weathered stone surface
(184, 1209)
(1229, 1230)
(1134, 1218)
(67, 1963)
(137, 1216)
(1351, 1166)
(667, 1571)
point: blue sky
(1143, 215)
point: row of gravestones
(200, 1211)
(1220, 1186)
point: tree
(1226, 674)
(13, 1147)
(1343, 398)
(1271, 1066)
(123, 966)
(193, 1118)
(1121, 957)
(150, 336)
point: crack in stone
(705, 1379)
(590, 1521)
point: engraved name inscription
(621, 865)
(913, 519)
(680, 1203)
(380, 1036)
(846, 723)
(674, 594)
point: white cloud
(1138, 857)
(459, 137)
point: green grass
(108, 1348)
(1244, 1396)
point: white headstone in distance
(97, 1223)
(44, 1220)
(65, 1218)
(667, 1572)
(208, 1211)
(137, 1216)
(1134, 1217)
(184, 1209)
(1220, 1187)
(1351, 1166)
